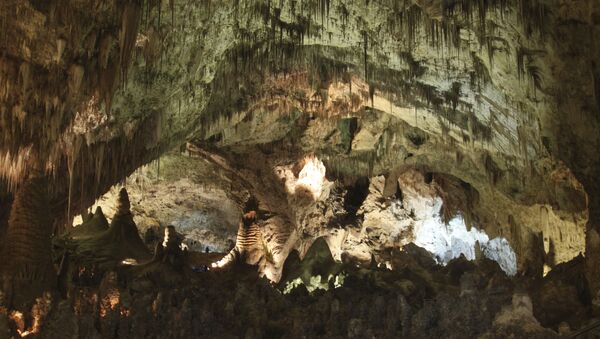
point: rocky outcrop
(170, 266)
(563, 296)
(316, 270)
(96, 223)
(517, 320)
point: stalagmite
(28, 270)
(248, 246)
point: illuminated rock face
(311, 177)
(450, 241)
(416, 217)
(309, 182)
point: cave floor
(417, 299)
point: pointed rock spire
(123, 204)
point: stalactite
(520, 54)
(535, 74)
(127, 36)
(158, 169)
(491, 168)
(365, 54)
(82, 174)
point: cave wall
(572, 127)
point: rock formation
(250, 246)
(94, 247)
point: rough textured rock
(563, 296)
(517, 320)
(480, 99)
(359, 301)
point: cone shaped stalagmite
(123, 206)
(170, 264)
(108, 246)
(124, 231)
(121, 240)
(28, 267)
(96, 224)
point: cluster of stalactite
(66, 61)
(79, 178)
(26, 84)
(94, 168)
(41, 92)
(283, 50)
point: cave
(299, 169)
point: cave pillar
(27, 268)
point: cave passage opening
(182, 191)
